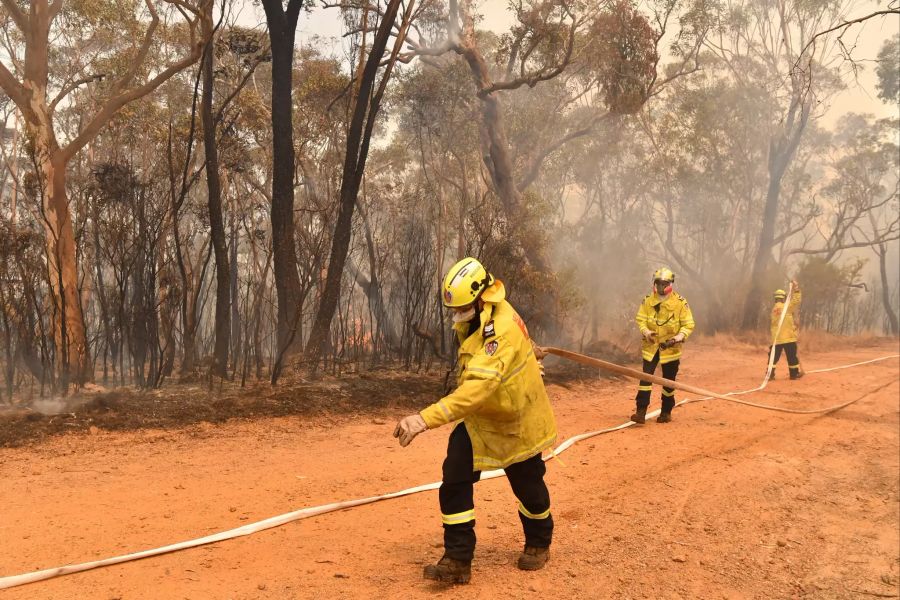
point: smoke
(51, 406)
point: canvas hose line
(276, 521)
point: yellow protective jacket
(789, 328)
(666, 318)
(500, 395)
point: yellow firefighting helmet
(780, 295)
(464, 283)
(664, 274)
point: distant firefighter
(665, 322)
(786, 338)
(504, 421)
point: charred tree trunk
(222, 326)
(368, 101)
(282, 28)
(881, 250)
(10, 366)
(235, 296)
(782, 150)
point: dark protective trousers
(457, 503)
(669, 371)
(790, 349)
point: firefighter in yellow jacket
(506, 421)
(665, 322)
(786, 338)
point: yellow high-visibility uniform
(500, 395)
(789, 328)
(666, 318)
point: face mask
(464, 317)
(663, 288)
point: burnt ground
(178, 405)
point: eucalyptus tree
(369, 89)
(605, 53)
(862, 199)
(282, 23)
(777, 45)
(103, 47)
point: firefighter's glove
(408, 428)
(648, 335)
(679, 337)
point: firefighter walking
(665, 322)
(785, 339)
(506, 418)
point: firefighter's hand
(795, 284)
(649, 335)
(679, 337)
(408, 428)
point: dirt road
(725, 502)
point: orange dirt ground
(725, 502)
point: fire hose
(684, 387)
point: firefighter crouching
(786, 338)
(665, 322)
(506, 418)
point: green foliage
(500, 243)
(888, 71)
(624, 56)
(830, 292)
(869, 154)
(538, 39)
(248, 45)
(819, 277)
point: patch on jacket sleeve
(518, 321)
(491, 347)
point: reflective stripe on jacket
(666, 318)
(789, 328)
(500, 395)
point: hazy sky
(323, 27)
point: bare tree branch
(117, 101)
(74, 86)
(845, 25)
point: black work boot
(640, 416)
(772, 375)
(533, 558)
(664, 417)
(449, 570)
(796, 374)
